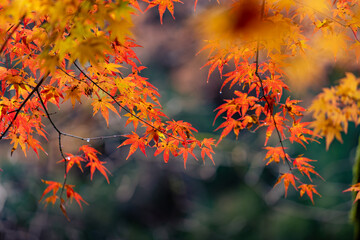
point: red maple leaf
(309, 190)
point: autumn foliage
(58, 51)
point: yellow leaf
(90, 50)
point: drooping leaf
(162, 5)
(136, 142)
(287, 178)
(309, 190)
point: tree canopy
(53, 52)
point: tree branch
(123, 107)
(60, 145)
(11, 33)
(263, 90)
(23, 104)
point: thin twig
(60, 145)
(123, 107)
(263, 90)
(67, 135)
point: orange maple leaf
(288, 178)
(167, 146)
(71, 194)
(53, 186)
(136, 142)
(206, 148)
(98, 165)
(185, 152)
(71, 160)
(163, 4)
(309, 190)
(354, 188)
(302, 164)
(275, 122)
(301, 161)
(104, 104)
(94, 163)
(298, 131)
(292, 108)
(274, 154)
(180, 127)
(73, 93)
(228, 125)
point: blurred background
(148, 199)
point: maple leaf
(34, 144)
(136, 142)
(228, 125)
(90, 152)
(89, 49)
(132, 118)
(288, 178)
(98, 165)
(71, 194)
(244, 73)
(276, 85)
(240, 105)
(309, 190)
(94, 163)
(354, 188)
(185, 152)
(135, 4)
(104, 104)
(167, 146)
(71, 160)
(73, 93)
(307, 171)
(52, 199)
(292, 108)
(302, 161)
(328, 128)
(105, 68)
(163, 4)
(206, 148)
(155, 133)
(18, 139)
(54, 187)
(275, 154)
(302, 164)
(274, 122)
(214, 62)
(52, 95)
(180, 127)
(298, 132)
